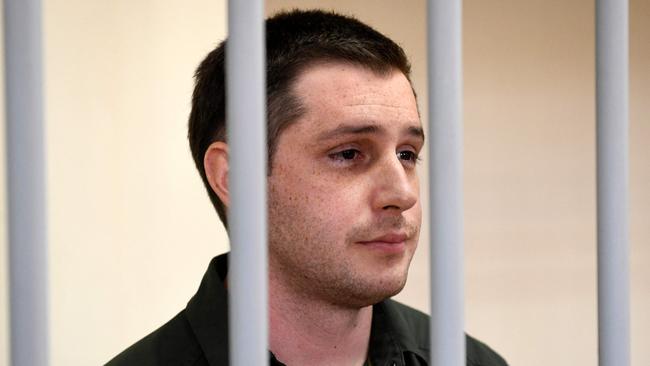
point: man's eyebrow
(416, 131)
(366, 129)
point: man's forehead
(335, 76)
(353, 91)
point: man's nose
(395, 186)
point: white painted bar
(445, 181)
(26, 183)
(612, 154)
(246, 123)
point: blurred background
(131, 230)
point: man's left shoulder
(480, 354)
(417, 323)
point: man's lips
(392, 243)
(393, 238)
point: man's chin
(373, 293)
(390, 291)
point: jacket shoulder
(480, 354)
(173, 343)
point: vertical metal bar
(445, 174)
(246, 119)
(26, 183)
(612, 155)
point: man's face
(344, 204)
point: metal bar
(246, 123)
(26, 183)
(445, 181)
(612, 171)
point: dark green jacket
(198, 335)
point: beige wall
(131, 230)
(530, 168)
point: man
(344, 210)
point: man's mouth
(391, 242)
(390, 238)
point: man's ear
(215, 163)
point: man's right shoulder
(416, 324)
(174, 343)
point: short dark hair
(295, 40)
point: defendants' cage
(246, 65)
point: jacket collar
(392, 335)
(207, 312)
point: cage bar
(445, 181)
(246, 126)
(28, 290)
(612, 185)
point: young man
(344, 210)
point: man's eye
(408, 155)
(349, 154)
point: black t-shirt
(198, 335)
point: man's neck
(306, 331)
